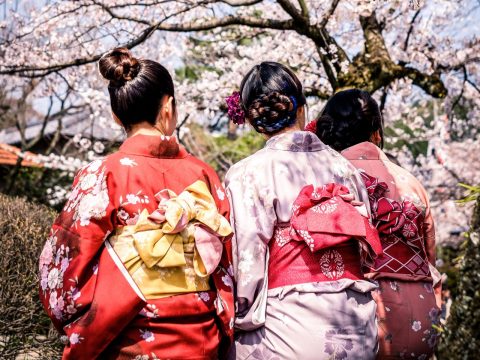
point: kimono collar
(296, 141)
(364, 151)
(153, 146)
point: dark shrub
(24, 327)
(461, 338)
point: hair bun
(271, 107)
(119, 66)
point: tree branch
(330, 12)
(410, 29)
(36, 71)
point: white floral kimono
(316, 320)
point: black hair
(270, 94)
(349, 117)
(136, 86)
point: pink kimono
(407, 309)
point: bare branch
(410, 29)
(304, 8)
(240, 2)
(330, 12)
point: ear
(376, 138)
(167, 117)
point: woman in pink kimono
(407, 306)
(137, 265)
(301, 230)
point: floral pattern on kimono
(78, 266)
(262, 189)
(407, 307)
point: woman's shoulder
(407, 183)
(252, 162)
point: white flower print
(232, 323)
(128, 162)
(326, 207)
(132, 199)
(227, 280)
(94, 165)
(54, 277)
(246, 261)
(204, 296)
(150, 311)
(88, 181)
(47, 254)
(75, 338)
(52, 301)
(141, 357)
(416, 326)
(92, 206)
(220, 193)
(394, 285)
(147, 335)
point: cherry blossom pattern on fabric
(54, 261)
(89, 198)
(338, 344)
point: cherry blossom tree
(420, 59)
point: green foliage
(220, 151)
(461, 338)
(24, 327)
(413, 140)
(34, 183)
(233, 151)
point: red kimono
(87, 288)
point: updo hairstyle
(136, 86)
(270, 94)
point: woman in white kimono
(301, 232)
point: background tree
(420, 59)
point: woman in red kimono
(407, 306)
(137, 265)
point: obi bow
(329, 215)
(188, 221)
(392, 217)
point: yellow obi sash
(174, 249)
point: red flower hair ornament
(235, 109)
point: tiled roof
(9, 156)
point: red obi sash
(400, 225)
(321, 243)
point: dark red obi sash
(400, 225)
(321, 243)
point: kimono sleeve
(253, 219)
(223, 276)
(430, 247)
(76, 270)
